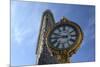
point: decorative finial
(64, 19)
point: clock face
(63, 36)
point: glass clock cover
(63, 36)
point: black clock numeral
(63, 45)
(57, 34)
(56, 31)
(54, 41)
(68, 43)
(71, 31)
(73, 35)
(66, 28)
(63, 28)
(54, 37)
(72, 40)
(58, 45)
(55, 44)
(60, 29)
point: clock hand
(60, 37)
(65, 36)
(57, 37)
(57, 34)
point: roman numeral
(57, 34)
(54, 37)
(59, 30)
(72, 40)
(68, 43)
(73, 35)
(71, 31)
(63, 28)
(56, 31)
(63, 45)
(58, 45)
(54, 41)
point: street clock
(64, 39)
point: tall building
(44, 55)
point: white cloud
(19, 34)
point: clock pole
(67, 33)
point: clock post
(64, 40)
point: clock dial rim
(70, 24)
(68, 40)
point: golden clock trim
(78, 41)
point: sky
(25, 25)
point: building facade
(44, 55)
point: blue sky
(25, 24)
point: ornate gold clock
(64, 39)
